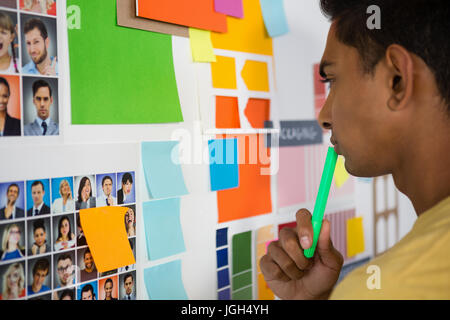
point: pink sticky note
(291, 176)
(232, 8)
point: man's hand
(51, 69)
(289, 274)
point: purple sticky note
(232, 8)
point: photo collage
(28, 68)
(44, 253)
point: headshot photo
(9, 106)
(39, 6)
(62, 195)
(126, 192)
(40, 107)
(13, 241)
(65, 269)
(127, 289)
(86, 193)
(81, 239)
(86, 264)
(8, 4)
(39, 278)
(87, 291)
(38, 197)
(106, 190)
(12, 281)
(66, 294)
(132, 242)
(9, 53)
(63, 232)
(12, 200)
(108, 288)
(39, 234)
(39, 45)
(41, 297)
(130, 220)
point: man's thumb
(325, 249)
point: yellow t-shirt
(417, 267)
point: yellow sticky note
(264, 292)
(106, 236)
(256, 75)
(224, 73)
(355, 236)
(201, 45)
(340, 174)
(248, 34)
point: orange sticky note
(227, 112)
(224, 73)
(257, 112)
(256, 75)
(106, 236)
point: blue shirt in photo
(30, 67)
(43, 289)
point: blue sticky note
(222, 258)
(223, 164)
(221, 237)
(164, 282)
(224, 294)
(274, 17)
(163, 228)
(163, 174)
(223, 278)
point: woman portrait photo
(130, 222)
(66, 238)
(8, 55)
(39, 234)
(65, 203)
(13, 282)
(110, 289)
(85, 198)
(11, 247)
(39, 6)
(9, 125)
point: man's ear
(47, 42)
(401, 82)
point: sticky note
(232, 8)
(164, 282)
(227, 112)
(221, 237)
(223, 278)
(257, 112)
(224, 294)
(201, 46)
(163, 232)
(223, 164)
(291, 176)
(242, 252)
(223, 73)
(274, 17)
(120, 90)
(222, 257)
(256, 75)
(163, 173)
(355, 236)
(106, 237)
(264, 292)
(198, 14)
(243, 294)
(248, 34)
(340, 174)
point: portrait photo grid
(44, 253)
(29, 77)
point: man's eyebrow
(323, 65)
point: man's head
(88, 260)
(40, 272)
(37, 40)
(37, 192)
(87, 293)
(39, 233)
(128, 283)
(107, 185)
(42, 98)
(65, 269)
(127, 182)
(12, 193)
(386, 84)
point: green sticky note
(242, 252)
(242, 280)
(244, 294)
(119, 75)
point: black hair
(108, 280)
(64, 256)
(127, 177)
(38, 224)
(420, 26)
(12, 184)
(36, 23)
(127, 276)
(105, 178)
(81, 186)
(86, 251)
(36, 183)
(60, 224)
(41, 84)
(87, 288)
(5, 82)
(66, 293)
(41, 264)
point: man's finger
(304, 228)
(271, 270)
(282, 259)
(290, 243)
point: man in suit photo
(11, 211)
(37, 193)
(43, 125)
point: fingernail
(304, 241)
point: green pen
(322, 197)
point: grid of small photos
(44, 254)
(28, 68)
